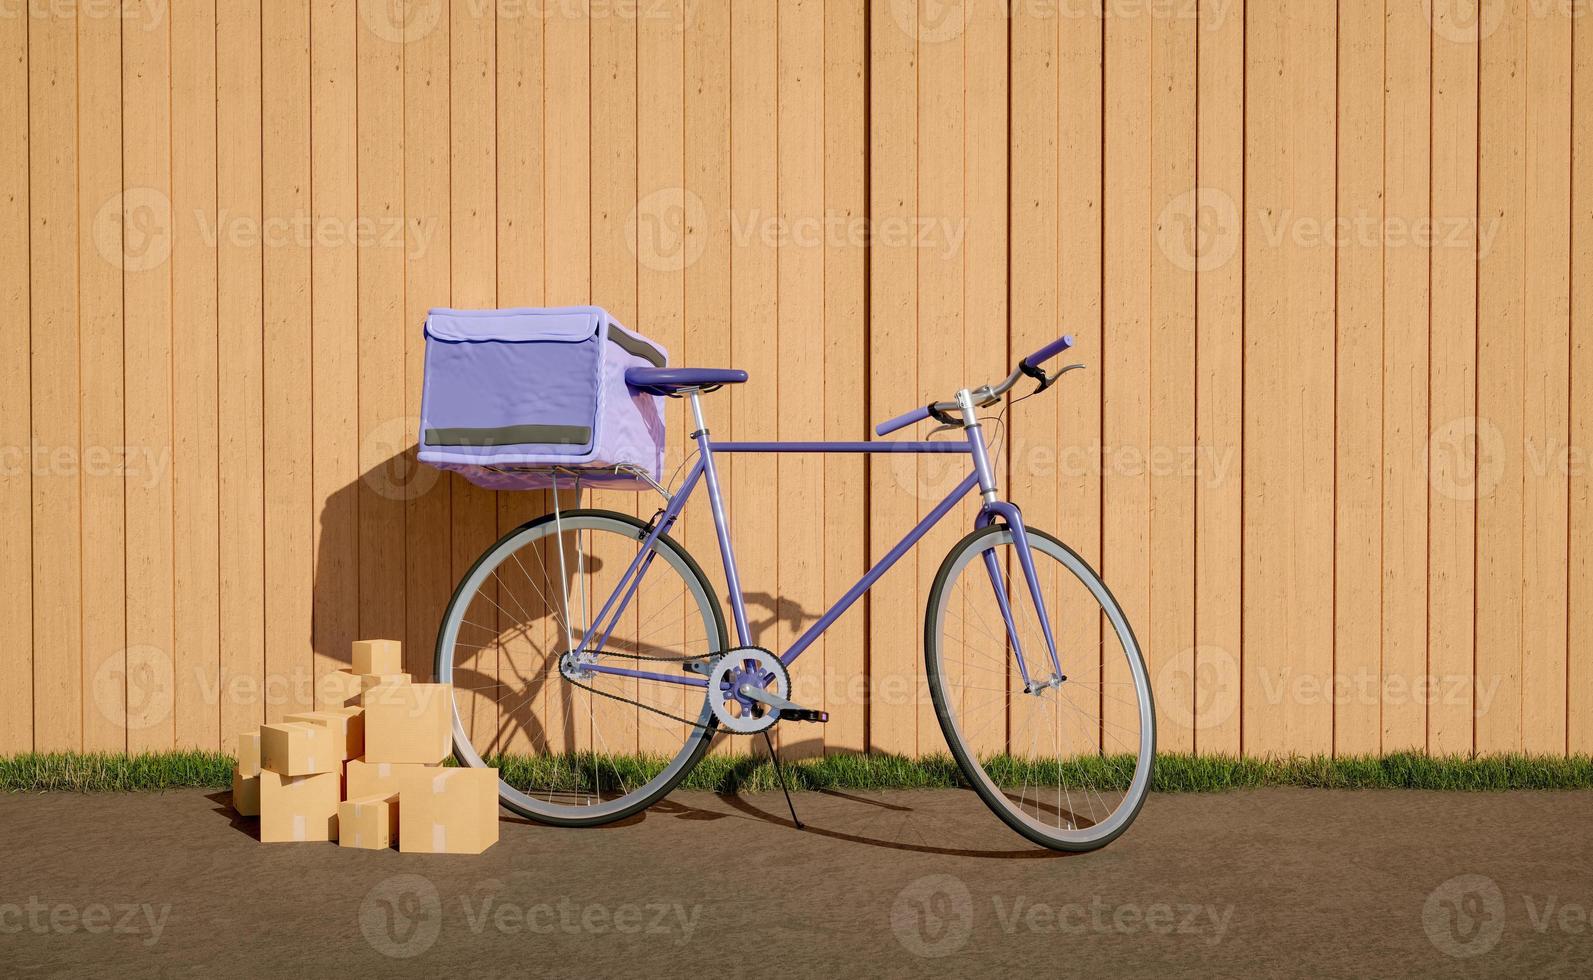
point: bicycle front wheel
(575, 746)
(1061, 751)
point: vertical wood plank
(334, 330)
(16, 416)
(613, 148)
(1040, 102)
(473, 273)
(1214, 235)
(1077, 442)
(428, 578)
(699, 232)
(568, 241)
(660, 313)
(241, 375)
(1358, 477)
(661, 607)
(104, 610)
(1126, 337)
(524, 661)
(195, 491)
(1289, 176)
(1579, 723)
(1452, 450)
(893, 604)
(1501, 378)
(1407, 172)
(1547, 363)
(846, 378)
(800, 349)
(752, 504)
(984, 235)
(1170, 380)
(57, 541)
(384, 432)
(290, 518)
(147, 216)
(940, 227)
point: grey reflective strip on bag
(634, 347)
(512, 435)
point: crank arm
(787, 710)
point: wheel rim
(1069, 763)
(504, 637)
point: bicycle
(1008, 681)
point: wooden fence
(1330, 264)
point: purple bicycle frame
(992, 510)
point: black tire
(704, 735)
(972, 771)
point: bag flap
(568, 325)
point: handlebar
(1049, 351)
(989, 394)
(902, 421)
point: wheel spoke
(550, 738)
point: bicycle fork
(995, 508)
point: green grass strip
(89, 773)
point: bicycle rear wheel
(1065, 758)
(576, 747)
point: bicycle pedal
(803, 714)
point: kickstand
(781, 773)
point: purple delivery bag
(514, 398)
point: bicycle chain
(647, 707)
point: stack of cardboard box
(368, 775)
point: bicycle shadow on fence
(391, 546)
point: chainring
(736, 669)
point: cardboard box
(362, 778)
(454, 811)
(249, 753)
(370, 822)
(298, 808)
(408, 723)
(296, 748)
(378, 657)
(246, 793)
(347, 725)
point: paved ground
(1280, 882)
